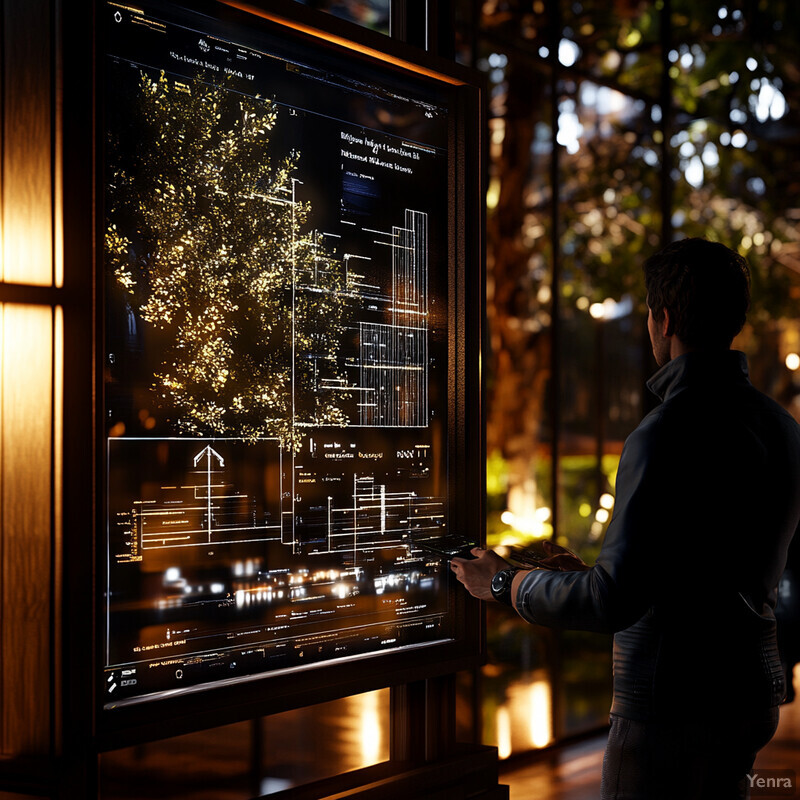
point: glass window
(564, 289)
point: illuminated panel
(276, 355)
(26, 159)
(27, 374)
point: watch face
(500, 581)
(501, 586)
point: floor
(573, 772)
(569, 773)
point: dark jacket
(708, 499)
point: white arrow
(208, 451)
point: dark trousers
(692, 760)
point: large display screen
(278, 348)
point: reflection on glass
(525, 719)
(372, 14)
(540, 713)
(331, 738)
(372, 744)
(271, 754)
(503, 724)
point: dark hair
(705, 286)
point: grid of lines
(394, 357)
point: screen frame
(209, 705)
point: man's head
(698, 292)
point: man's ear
(667, 326)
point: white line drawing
(201, 510)
(204, 508)
(379, 519)
(393, 356)
(209, 452)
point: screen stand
(423, 725)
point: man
(708, 499)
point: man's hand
(561, 559)
(476, 574)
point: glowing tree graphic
(205, 231)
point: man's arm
(618, 589)
(476, 574)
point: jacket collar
(696, 367)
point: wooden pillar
(31, 384)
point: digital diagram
(276, 377)
(213, 552)
(338, 504)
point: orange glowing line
(340, 40)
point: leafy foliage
(205, 233)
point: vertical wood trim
(407, 722)
(440, 717)
(57, 564)
(3, 554)
(57, 213)
(74, 678)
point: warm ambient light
(493, 194)
(31, 382)
(793, 361)
(526, 717)
(610, 309)
(607, 501)
(539, 708)
(503, 722)
(370, 729)
(533, 523)
(597, 310)
(26, 249)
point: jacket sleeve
(623, 584)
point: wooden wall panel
(26, 383)
(27, 330)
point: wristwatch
(501, 585)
